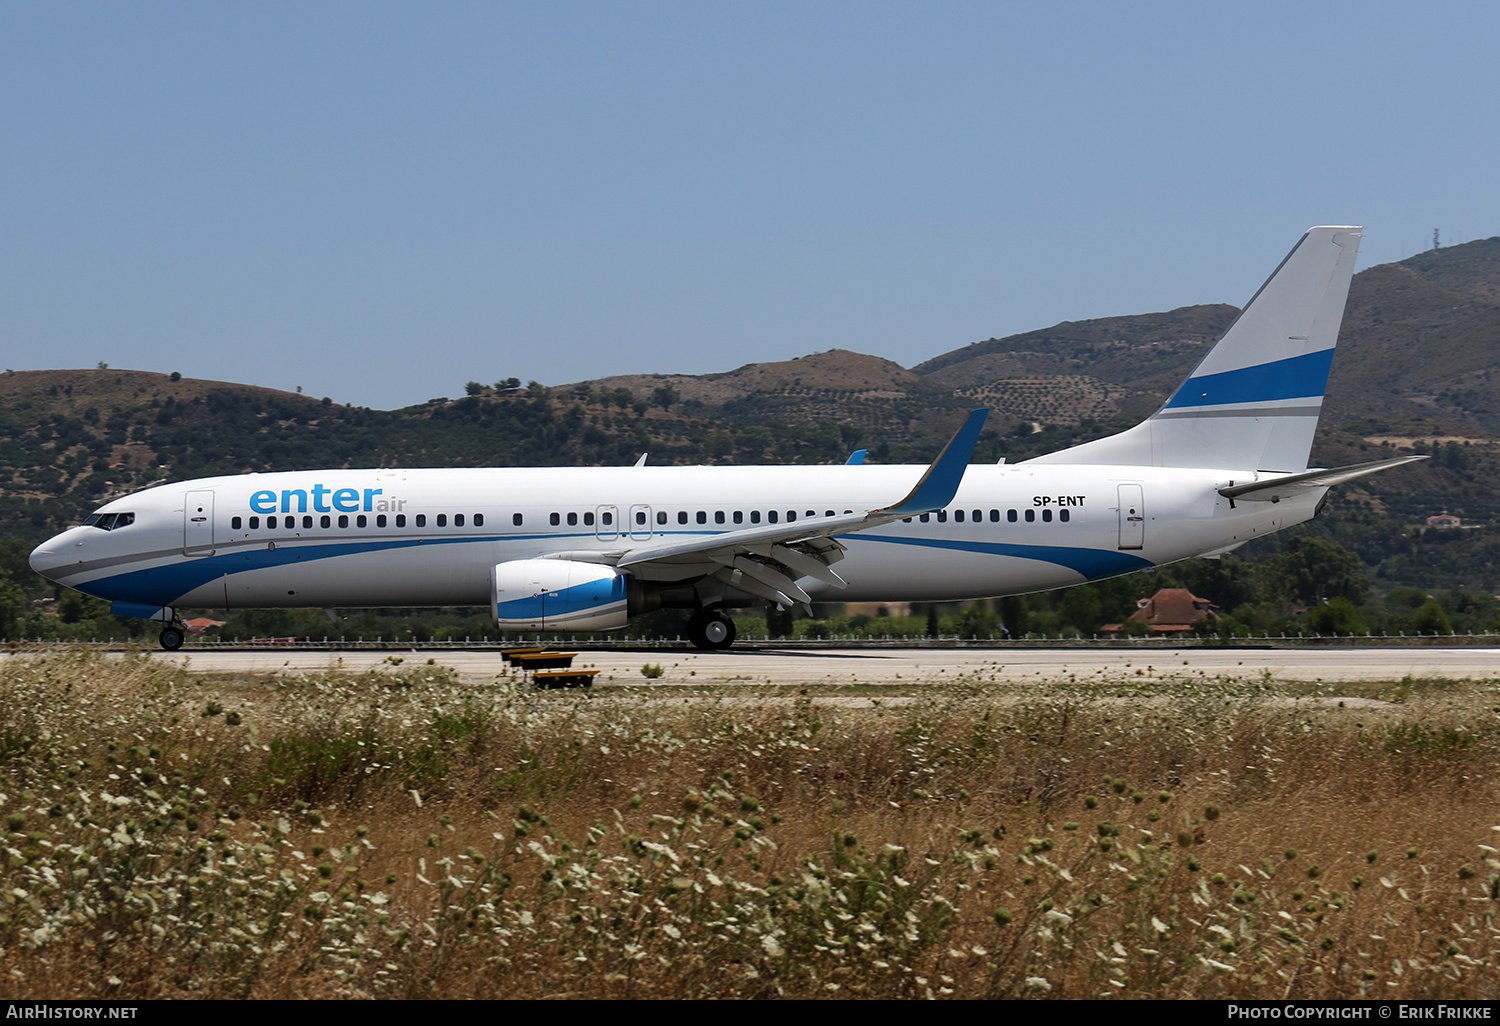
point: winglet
(940, 483)
(856, 458)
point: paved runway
(877, 666)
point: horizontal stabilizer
(1293, 484)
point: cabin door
(1132, 517)
(198, 523)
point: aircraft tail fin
(1253, 401)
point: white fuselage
(433, 537)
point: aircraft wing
(1280, 488)
(767, 561)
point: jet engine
(560, 595)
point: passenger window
(925, 518)
(718, 516)
(234, 523)
(572, 519)
(307, 522)
(588, 520)
(661, 516)
(325, 520)
(458, 520)
(478, 519)
(606, 519)
(682, 516)
(978, 515)
(1031, 516)
(640, 517)
(771, 516)
(739, 516)
(421, 520)
(1063, 515)
(400, 519)
(1046, 516)
(958, 516)
(702, 517)
(994, 516)
(755, 516)
(791, 515)
(554, 519)
(343, 520)
(270, 522)
(516, 519)
(829, 513)
(359, 521)
(1010, 515)
(255, 523)
(942, 516)
(380, 520)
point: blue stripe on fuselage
(1093, 564)
(162, 585)
(1297, 377)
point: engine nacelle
(559, 595)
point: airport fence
(343, 643)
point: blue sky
(380, 202)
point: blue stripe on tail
(1298, 377)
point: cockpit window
(109, 521)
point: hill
(1418, 343)
(1414, 372)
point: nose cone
(48, 558)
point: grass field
(401, 834)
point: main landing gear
(171, 637)
(710, 630)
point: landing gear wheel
(710, 630)
(171, 638)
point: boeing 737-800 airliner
(587, 548)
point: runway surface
(903, 667)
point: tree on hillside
(1312, 571)
(1431, 619)
(1338, 617)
